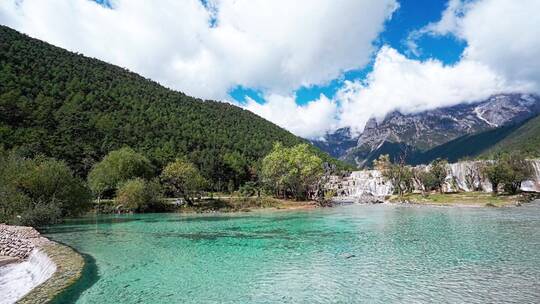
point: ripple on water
(352, 254)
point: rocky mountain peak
(426, 130)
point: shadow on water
(88, 277)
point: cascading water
(462, 176)
(534, 184)
(466, 176)
(18, 279)
(370, 182)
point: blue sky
(310, 66)
(410, 16)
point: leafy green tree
(439, 169)
(519, 170)
(510, 169)
(39, 191)
(496, 173)
(138, 194)
(399, 174)
(426, 179)
(116, 168)
(238, 166)
(291, 170)
(182, 179)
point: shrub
(249, 189)
(39, 191)
(116, 168)
(138, 194)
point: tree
(519, 170)
(439, 169)
(426, 179)
(291, 170)
(39, 191)
(238, 167)
(116, 168)
(399, 174)
(182, 179)
(138, 194)
(510, 169)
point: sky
(310, 66)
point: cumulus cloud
(310, 121)
(502, 34)
(274, 46)
(407, 85)
(503, 47)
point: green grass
(473, 199)
(220, 204)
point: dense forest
(61, 104)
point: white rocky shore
(23, 265)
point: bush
(39, 191)
(138, 194)
(249, 189)
(116, 168)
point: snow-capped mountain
(426, 130)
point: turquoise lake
(349, 254)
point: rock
(348, 255)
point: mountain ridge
(421, 132)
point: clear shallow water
(353, 254)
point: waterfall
(18, 279)
(466, 176)
(534, 184)
(462, 176)
(362, 183)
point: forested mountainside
(62, 104)
(446, 132)
(525, 139)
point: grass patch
(217, 204)
(243, 204)
(475, 199)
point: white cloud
(407, 85)
(502, 34)
(311, 120)
(502, 55)
(276, 46)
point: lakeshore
(463, 199)
(379, 252)
(36, 269)
(69, 264)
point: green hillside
(77, 109)
(468, 146)
(525, 139)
